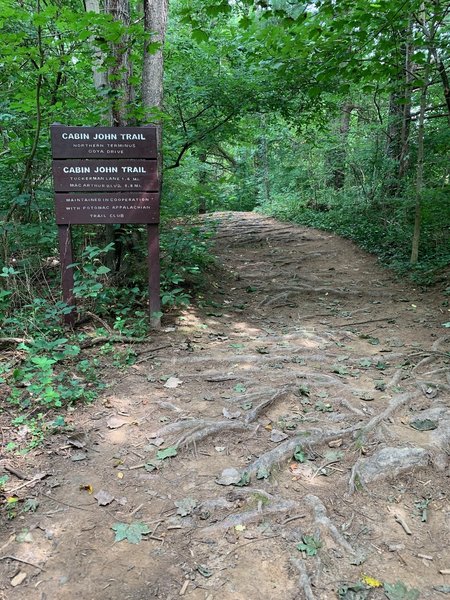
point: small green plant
(309, 545)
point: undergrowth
(46, 369)
(384, 230)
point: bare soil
(302, 345)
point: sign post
(106, 175)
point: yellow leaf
(12, 500)
(120, 475)
(371, 581)
(87, 487)
(240, 528)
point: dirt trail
(303, 345)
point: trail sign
(106, 175)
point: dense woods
(330, 114)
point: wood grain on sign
(104, 142)
(126, 207)
(105, 175)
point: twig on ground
(71, 505)
(21, 560)
(15, 472)
(114, 339)
(35, 479)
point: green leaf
(166, 453)
(204, 570)
(262, 473)
(399, 591)
(299, 454)
(102, 270)
(310, 545)
(423, 424)
(244, 480)
(131, 532)
(240, 388)
(185, 506)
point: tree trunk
(119, 74)
(397, 148)
(264, 162)
(155, 24)
(420, 161)
(341, 152)
(99, 74)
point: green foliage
(309, 545)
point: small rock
(173, 382)
(18, 579)
(396, 547)
(231, 415)
(103, 498)
(229, 477)
(78, 456)
(277, 436)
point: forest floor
(303, 345)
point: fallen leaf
(204, 570)
(77, 440)
(399, 591)
(166, 453)
(87, 487)
(119, 475)
(103, 498)
(335, 443)
(132, 532)
(24, 537)
(173, 382)
(423, 424)
(240, 527)
(185, 506)
(371, 581)
(262, 473)
(115, 422)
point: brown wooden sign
(106, 175)
(82, 209)
(103, 142)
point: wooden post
(66, 257)
(154, 293)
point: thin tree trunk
(264, 157)
(99, 74)
(119, 75)
(420, 161)
(341, 153)
(155, 24)
(406, 110)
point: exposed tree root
(259, 410)
(304, 581)
(206, 429)
(395, 403)
(285, 449)
(323, 521)
(250, 516)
